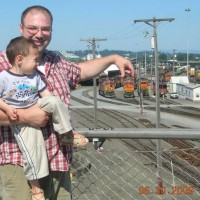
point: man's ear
(19, 59)
(20, 28)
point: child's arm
(45, 93)
(9, 110)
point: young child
(22, 87)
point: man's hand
(33, 116)
(124, 65)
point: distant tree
(181, 56)
(162, 57)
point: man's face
(37, 26)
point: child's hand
(12, 113)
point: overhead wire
(124, 34)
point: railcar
(129, 87)
(107, 87)
(198, 75)
(162, 88)
(180, 71)
(165, 75)
(192, 72)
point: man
(36, 24)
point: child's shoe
(73, 138)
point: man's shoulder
(3, 55)
(4, 63)
(53, 57)
(49, 55)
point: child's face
(30, 62)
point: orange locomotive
(107, 87)
(129, 87)
(143, 87)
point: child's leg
(32, 146)
(61, 121)
(37, 192)
(59, 111)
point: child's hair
(19, 46)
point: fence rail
(145, 133)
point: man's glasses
(34, 30)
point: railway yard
(119, 112)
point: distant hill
(104, 53)
(163, 55)
(139, 56)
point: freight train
(107, 87)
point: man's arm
(32, 116)
(92, 68)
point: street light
(187, 10)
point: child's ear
(19, 59)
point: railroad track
(183, 110)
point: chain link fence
(121, 172)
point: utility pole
(140, 92)
(93, 41)
(145, 53)
(153, 23)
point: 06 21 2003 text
(174, 190)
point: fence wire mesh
(121, 172)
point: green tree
(162, 57)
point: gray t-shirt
(20, 91)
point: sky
(113, 20)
